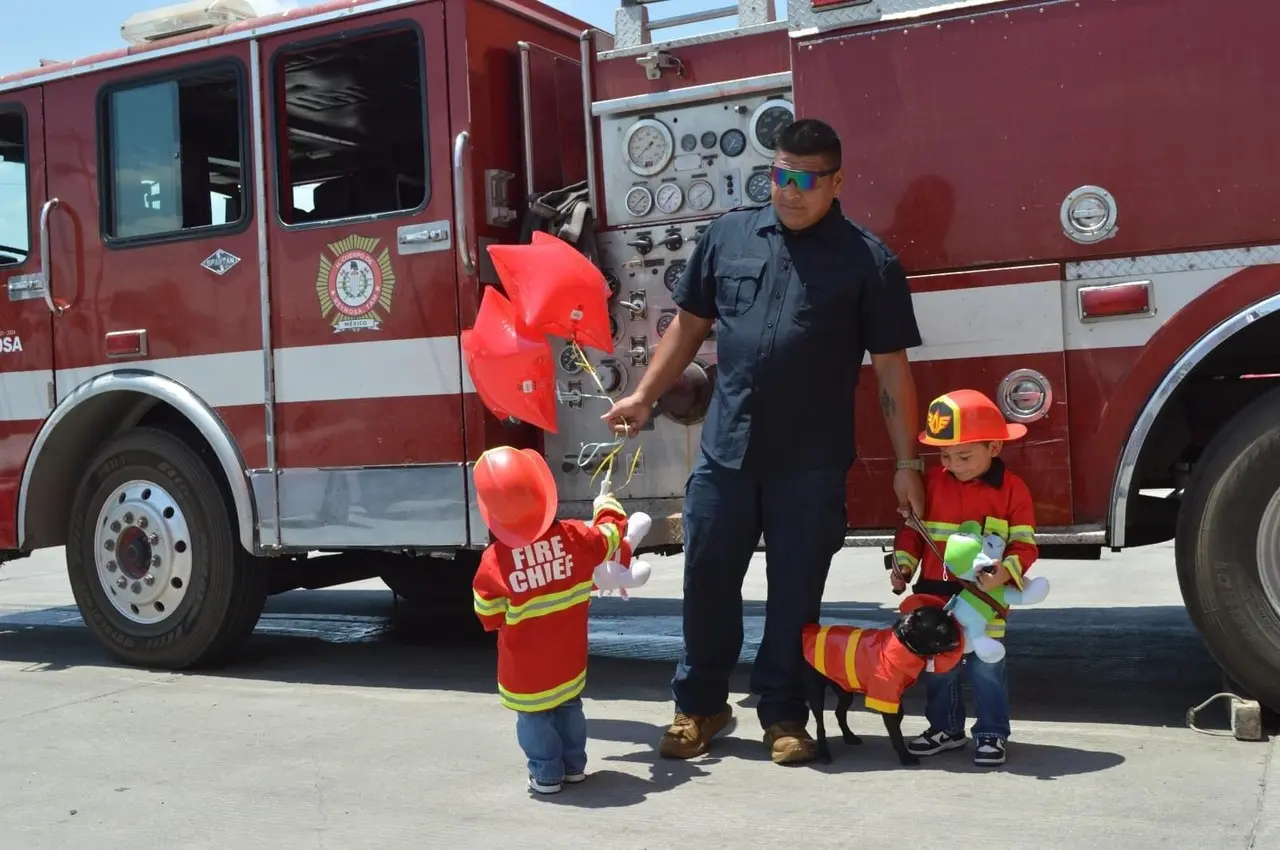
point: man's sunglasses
(804, 180)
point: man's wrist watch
(915, 463)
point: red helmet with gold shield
(966, 416)
(516, 494)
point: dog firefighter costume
(874, 662)
(966, 555)
(996, 505)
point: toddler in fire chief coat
(533, 586)
(972, 486)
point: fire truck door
(26, 306)
(365, 336)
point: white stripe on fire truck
(1027, 318)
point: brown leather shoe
(790, 743)
(690, 735)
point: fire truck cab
(238, 255)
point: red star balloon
(512, 368)
(556, 290)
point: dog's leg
(844, 700)
(816, 688)
(893, 725)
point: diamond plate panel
(1232, 258)
(630, 24)
(802, 16)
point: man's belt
(913, 522)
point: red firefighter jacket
(537, 598)
(999, 500)
(869, 661)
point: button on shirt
(795, 312)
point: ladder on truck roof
(633, 28)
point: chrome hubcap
(1268, 551)
(143, 552)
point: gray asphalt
(350, 722)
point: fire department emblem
(941, 421)
(354, 286)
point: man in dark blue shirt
(797, 293)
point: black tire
(225, 588)
(1216, 554)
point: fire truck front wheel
(1228, 548)
(154, 562)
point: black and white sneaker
(934, 741)
(574, 778)
(989, 752)
(543, 787)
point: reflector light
(183, 18)
(1115, 299)
(126, 343)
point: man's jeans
(944, 708)
(554, 741)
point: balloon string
(606, 465)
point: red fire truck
(239, 252)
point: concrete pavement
(346, 727)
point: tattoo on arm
(888, 406)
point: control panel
(692, 160)
(641, 265)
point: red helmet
(516, 494)
(966, 416)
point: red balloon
(556, 290)
(512, 369)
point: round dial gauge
(669, 198)
(733, 142)
(701, 195)
(770, 119)
(674, 269)
(612, 283)
(709, 139)
(639, 201)
(569, 361)
(758, 185)
(688, 142)
(664, 322)
(649, 147)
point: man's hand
(628, 415)
(909, 488)
(989, 581)
(897, 579)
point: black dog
(885, 662)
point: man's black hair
(811, 137)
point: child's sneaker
(544, 787)
(989, 752)
(574, 778)
(933, 741)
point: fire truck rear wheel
(154, 561)
(1228, 548)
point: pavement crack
(1262, 799)
(136, 686)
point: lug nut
(149, 579)
(115, 525)
(154, 540)
(137, 587)
(121, 583)
(155, 560)
(142, 522)
(109, 545)
(111, 566)
(128, 518)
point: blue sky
(68, 29)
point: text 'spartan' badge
(220, 262)
(354, 285)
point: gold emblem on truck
(354, 286)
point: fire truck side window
(350, 119)
(15, 236)
(174, 154)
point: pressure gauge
(664, 323)
(674, 269)
(669, 198)
(758, 186)
(639, 201)
(688, 142)
(733, 142)
(649, 146)
(701, 195)
(767, 122)
(569, 362)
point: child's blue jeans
(554, 741)
(944, 708)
